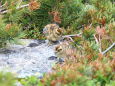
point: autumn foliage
(94, 62)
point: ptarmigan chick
(52, 32)
(65, 50)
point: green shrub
(31, 81)
(93, 73)
(9, 32)
(7, 79)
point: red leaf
(100, 30)
(56, 16)
(33, 5)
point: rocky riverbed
(31, 57)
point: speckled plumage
(65, 50)
(52, 32)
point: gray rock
(28, 58)
(52, 58)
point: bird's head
(58, 48)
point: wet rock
(52, 58)
(33, 45)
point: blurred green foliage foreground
(7, 79)
(95, 19)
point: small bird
(52, 32)
(65, 50)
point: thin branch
(78, 35)
(19, 3)
(22, 6)
(90, 25)
(108, 48)
(98, 43)
(70, 36)
(3, 12)
(96, 39)
(70, 39)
